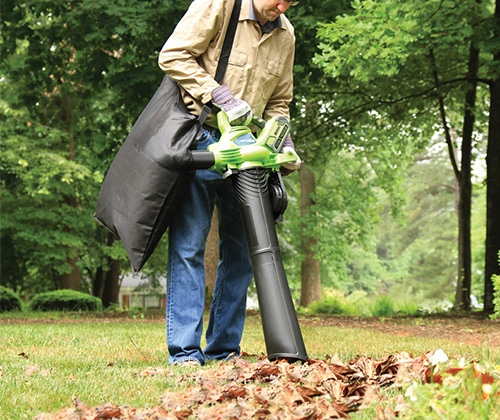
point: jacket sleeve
(190, 39)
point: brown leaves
(30, 370)
(154, 371)
(317, 389)
(238, 389)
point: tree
(492, 267)
(76, 74)
(408, 60)
(306, 19)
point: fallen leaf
(45, 372)
(108, 412)
(30, 370)
(154, 371)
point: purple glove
(238, 111)
(288, 167)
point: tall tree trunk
(463, 178)
(211, 259)
(493, 184)
(310, 268)
(463, 293)
(71, 280)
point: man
(258, 79)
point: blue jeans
(186, 271)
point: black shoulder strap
(224, 56)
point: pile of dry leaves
(317, 389)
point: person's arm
(279, 105)
(190, 39)
(283, 93)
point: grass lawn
(44, 365)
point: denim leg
(186, 269)
(234, 273)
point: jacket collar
(248, 13)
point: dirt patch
(474, 329)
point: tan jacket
(259, 69)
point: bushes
(496, 299)
(359, 303)
(9, 301)
(65, 300)
(383, 306)
(330, 305)
(333, 303)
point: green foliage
(460, 397)
(333, 303)
(74, 77)
(40, 222)
(496, 299)
(360, 303)
(65, 300)
(330, 305)
(391, 61)
(383, 306)
(9, 301)
(408, 308)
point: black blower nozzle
(279, 320)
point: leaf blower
(253, 164)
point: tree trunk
(462, 177)
(98, 283)
(462, 296)
(111, 288)
(310, 269)
(107, 283)
(211, 259)
(493, 185)
(71, 280)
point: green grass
(100, 361)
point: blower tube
(279, 319)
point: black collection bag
(150, 173)
(145, 181)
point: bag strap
(224, 56)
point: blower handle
(202, 159)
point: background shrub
(333, 303)
(383, 306)
(65, 300)
(408, 308)
(496, 299)
(9, 301)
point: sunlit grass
(100, 362)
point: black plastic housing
(279, 320)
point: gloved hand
(238, 111)
(288, 167)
